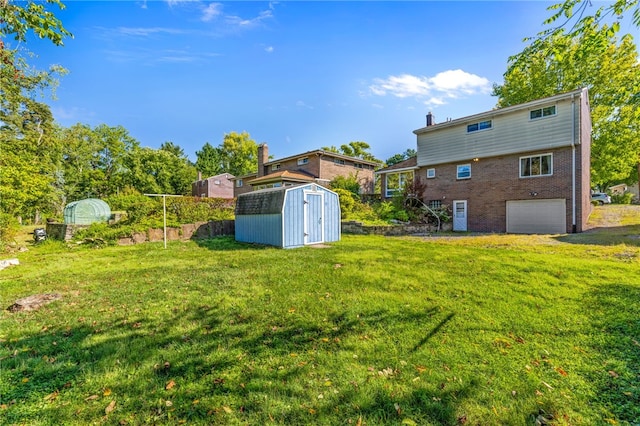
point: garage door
(537, 217)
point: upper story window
(463, 171)
(275, 167)
(536, 165)
(542, 112)
(339, 161)
(239, 183)
(431, 173)
(358, 165)
(482, 125)
(303, 161)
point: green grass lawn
(476, 330)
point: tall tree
(397, 158)
(209, 160)
(26, 124)
(356, 149)
(158, 172)
(596, 59)
(239, 154)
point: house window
(275, 167)
(338, 161)
(435, 204)
(482, 125)
(395, 182)
(542, 112)
(238, 183)
(431, 173)
(358, 165)
(303, 161)
(536, 165)
(463, 171)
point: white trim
(457, 223)
(314, 192)
(431, 175)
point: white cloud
(431, 90)
(239, 22)
(144, 32)
(268, 49)
(212, 11)
(302, 104)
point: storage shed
(86, 212)
(288, 217)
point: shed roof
(264, 201)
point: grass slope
(494, 329)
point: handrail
(426, 207)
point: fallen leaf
(91, 398)
(106, 392)
(613, 373)
(561, 372)
(292, 310)
(110, 407)
(53, 395)
(170, 385)
(359, 422)
(227, 409)
(25, 380)
(421, 369)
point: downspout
(573, 164)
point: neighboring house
(218, 186)
(317, 166)
(519, 169)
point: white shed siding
(512, 132)
(293, 218)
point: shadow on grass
(605, 236)
(69, 375)
(227, 242)
(615, 313)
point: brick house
(519, 169)
(218, 186)
(317, 166)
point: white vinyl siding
(511, 133)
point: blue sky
(297, 75)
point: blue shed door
(313, 227)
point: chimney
(431, 120)
(199, 175)
(263, 157)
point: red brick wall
(329, 169)
(494, 181)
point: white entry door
(313, 227)
(460, 215)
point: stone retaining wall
(65, 232)
(198, 230)
(353, 227)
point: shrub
(625, 198)
(347, 202)
(9, 227)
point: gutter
(573, 164)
